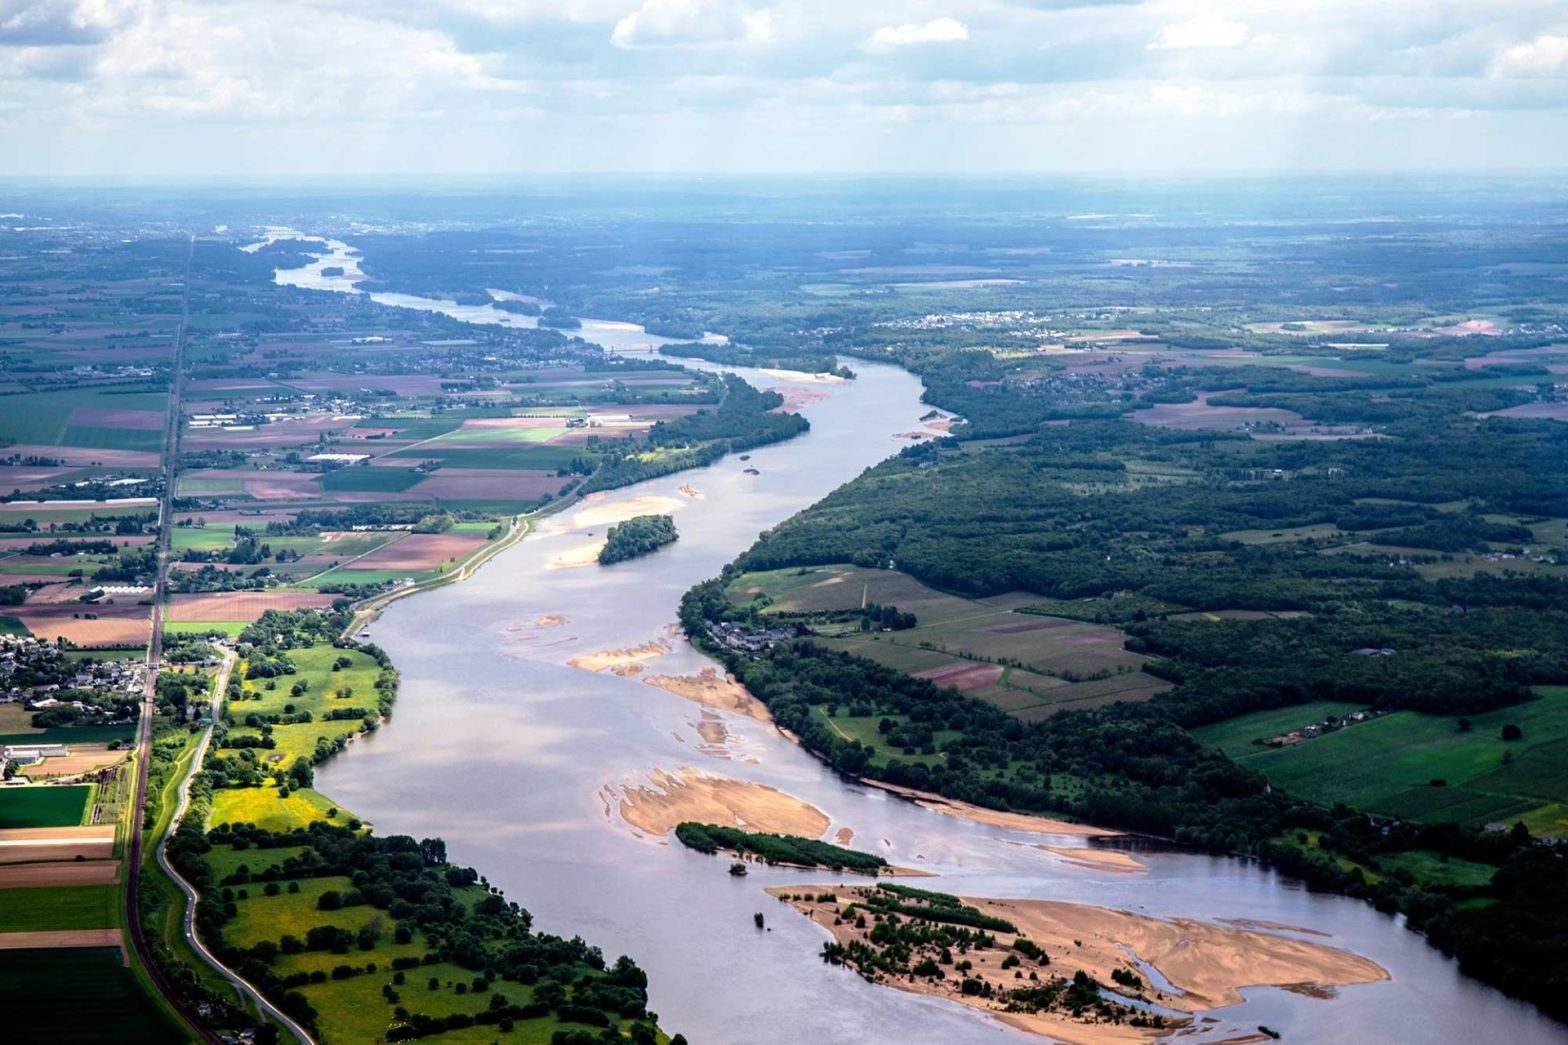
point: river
(503, 749)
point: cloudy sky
(168, 87)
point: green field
(78, 996)
(72, 735)
(262, 806)
(1029, 665)
(12, 626)
(1434, 869)
(230, 628)
(1235, 736)
(371, 480)
(43, 417)
(1388, 765)
(44, 805)
(145, 439)
(59, 907)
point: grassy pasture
(262, 806)
(1388, 765)
(525, 456)
(315, 667)
(42, 417)
(12, 626)
(43, 806)
(1429, 867)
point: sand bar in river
(668, 799)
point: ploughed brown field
(421, 551)
(488, 484)
(241, 605)
(122, 624)
(83, 457)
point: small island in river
(1064, 970)
(637, 536)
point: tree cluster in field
(637, 536)
(776, 849)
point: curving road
(191, 896)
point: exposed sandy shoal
(1254, 923)
(605, 514)
(843, 836)
(587, 555)
(553, 620)
(795, 398)
(621, 661)
(801, 375)
(710, 689)
(993, 817)
(1204, 962)
(690, 491)
(1103, 859)
(688, 794)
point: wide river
(504, 750)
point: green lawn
(59, 907)
(1388, 765)
(43, 805)
(78, 996)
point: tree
(1512, 732)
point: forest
(639, 535)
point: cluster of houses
(1332, 724)
(737, 638)
(33, 657)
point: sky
(200, 88)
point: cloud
(1203, 30)
(936, 31)
(668, 23)
(1544, 56)
(61, 23)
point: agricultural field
(1030, 665)
(43, 805)
(42, 992)
(54, 907)
(1391, 765)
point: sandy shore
(712, 690)
(552, 620)
(587, 555)
(1204, 963)
(688, 490)
(801, 375)
(1099, 859)
(621, 661)
(993, 817)
(594, 514)
(689, 794)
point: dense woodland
(639, 535)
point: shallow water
(502, 749)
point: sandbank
(1204, 963)
(690, 491)
(1100, 859)
(689, 794)
(994, 817)
(605, 514)
(710, 689)
(587, 555)
(621, 661)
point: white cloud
(1206, 29)
(674, 22)
(936, 31)
(1544, 56)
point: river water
(504, 750)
